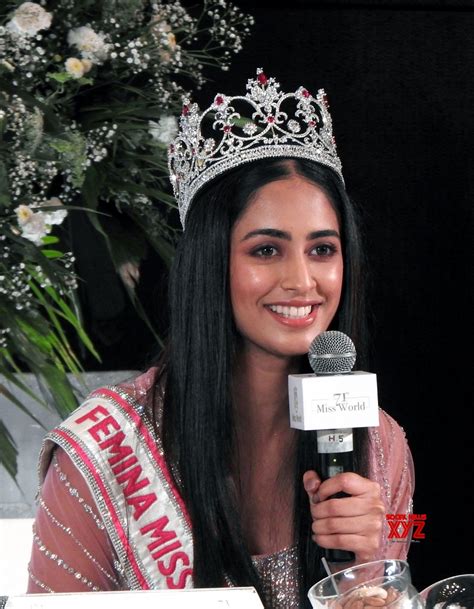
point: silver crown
(270, 124)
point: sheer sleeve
(71, 551)
(391, 465)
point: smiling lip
(292, 321)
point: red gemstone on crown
(325, 100)
(171, 148)
(270, 119)
(262, 79)
(311, 123)
(305, 93)
(185, 110)
(219, 100)
(227, 128)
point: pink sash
(121, 458)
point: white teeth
(293, 312)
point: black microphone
(333, 401)
(334, 353)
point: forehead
(290, 202)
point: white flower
(7, 65)
(171, 40)
(54, 217)
(36, 224)
(74, 67)
(91, 44)
(29, 18)
(35, 228)
(87, 65)
(23, 214)
(158, 24)
(165, 56)
(165, 130)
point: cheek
(335, 277)
(248, 284)
(335, 283)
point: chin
(289, 351)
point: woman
(190, 475)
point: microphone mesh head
(332, 352)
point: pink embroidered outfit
(110, 516)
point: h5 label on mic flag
(334, 401)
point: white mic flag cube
(333, 401)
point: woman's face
(286, 267)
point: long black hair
(198, 428)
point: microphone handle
(332, 463)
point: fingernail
(310, 486)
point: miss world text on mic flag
(334, 401)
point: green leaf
(5, 200)
(142, 313)
(52, 253)
(91, 189)
(36, 335)
(60, 77)
(61, 390)
(164, 248)
(73, 154)
(59, 342)
(73, 320)
(60, 396)
(12, 398)
(126, 244)
(50, 240)
(62, 145)
(8, 451)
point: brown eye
(265, 251)
(325, 249)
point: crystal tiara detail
(234, 130)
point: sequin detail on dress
(60, 562)
(38, 582)
(68, 531)
(75, 493)
(279, 576)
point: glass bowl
(451, 593)
(385, 584)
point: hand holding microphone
(346, 508)
(354, 522)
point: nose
(298, 274)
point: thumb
(311, 483)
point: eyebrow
(281, 234)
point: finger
(311, 483)
(350, 483)
(368, 525)
(345, 507)
(365, 549)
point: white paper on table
(200, 598)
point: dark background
(399, 78)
